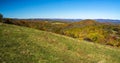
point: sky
(67, 9)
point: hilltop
(93, 31)
(27, 45)
(87, 22)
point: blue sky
(73, 9)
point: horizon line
(65, 18)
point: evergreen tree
(1, 17)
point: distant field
(27, 45)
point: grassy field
(27, 45)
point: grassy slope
(26, 45)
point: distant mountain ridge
(116, 21)
(99, 20)
(108, 20)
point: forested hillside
(89, 30)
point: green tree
(1, 17)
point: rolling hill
(91, 30)
(27, 45)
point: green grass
(27, 45)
